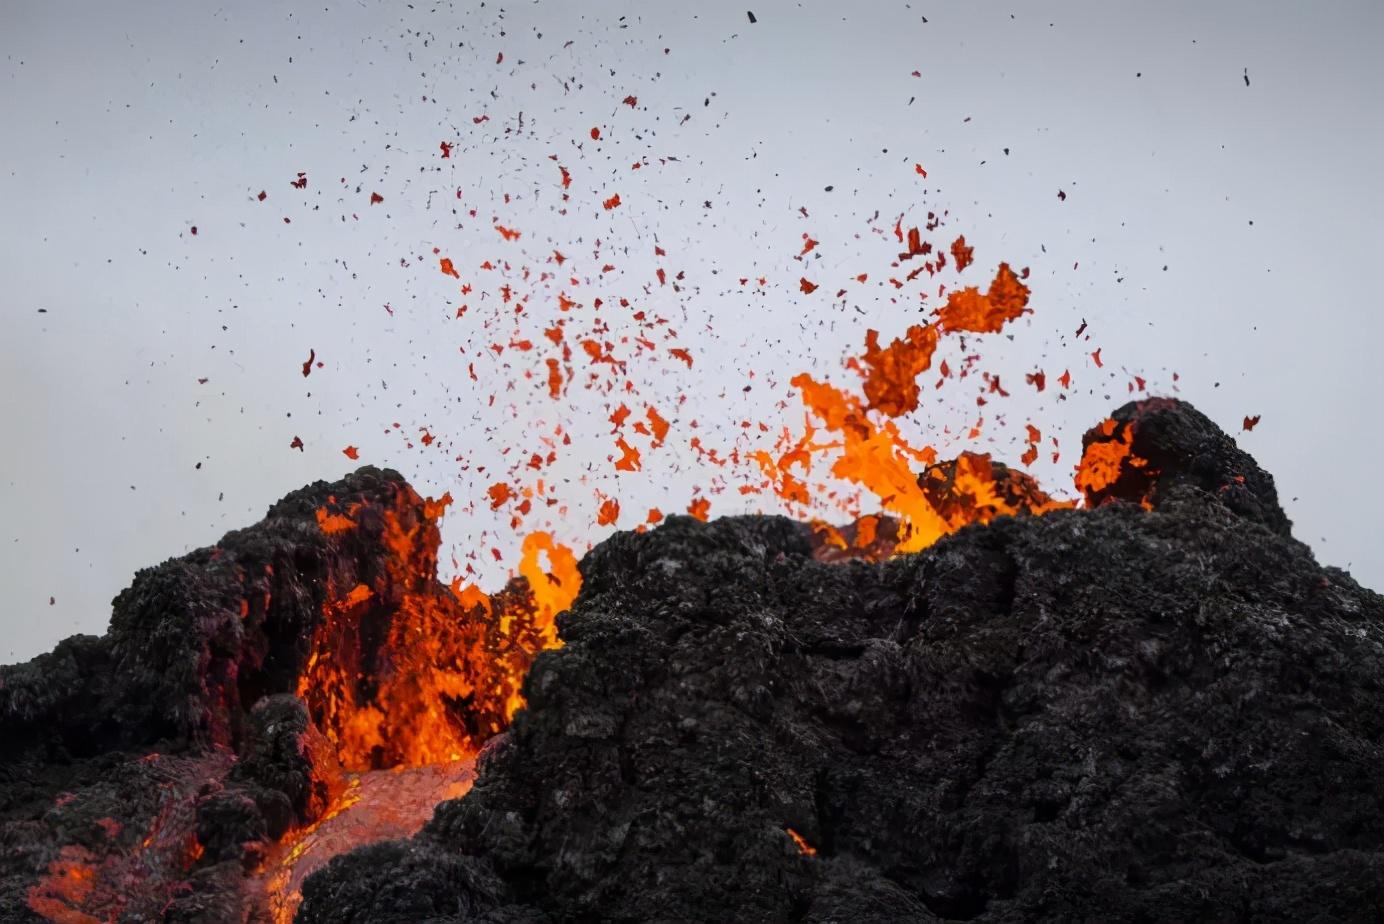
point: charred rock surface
(143, 773)
(1115, 714)
(1164, 444)
(1159, 709)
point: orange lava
(403, 674)
(891, 383)
(1103, 461)
(973, 489)
(968, 310)
(804, 847)
(68, 887)
(375, 806)
(407, 679)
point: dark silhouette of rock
(1159, 709)
(1095, 715)
(1172, 445)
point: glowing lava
(407, 679)
(375, 806)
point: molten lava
(407, 680)
(968, 310)
(375, 806)
(1109, 457)
(973, 489)
(402, 675)
(891, 384)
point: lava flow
(373, 806)
(407, 680)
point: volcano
(1154, 706)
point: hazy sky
(1218, 229)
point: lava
(407, 680)
(969, 310)
(973, 489)
(891, 385)
(1107, 456)
(126, 874)
(373, 806)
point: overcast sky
(1220, 221)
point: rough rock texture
(974, 489)
(1097, 715)
(1115, 714)
(145, 772)
(195, 642)
(1178, 445)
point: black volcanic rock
(1091, 715)
(144, 772)
(1176, 445)
(1159, 709)
(195, 642)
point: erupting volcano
(837, 631)
(751, 718)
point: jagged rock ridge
(145, 774)
(1160, 709)
(1115, 714)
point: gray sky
(128, 124)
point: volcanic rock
(1161, 444)
(1159, 708)
(145, 772)
(1115, 714)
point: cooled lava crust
(1160, 708)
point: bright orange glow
(804, 847)
(553, 588)
(405, 677)
(972, 489)
(445, 676)
(375, 806)
(334, 522)
(877, 458)
(891, 384)
(872, 452)
(968, 310)
(68, 887)
(1102, 462)
(1108, 457)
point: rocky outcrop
(1161, 445)
(1115, 714)
(1156, 708)
(144, 774)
